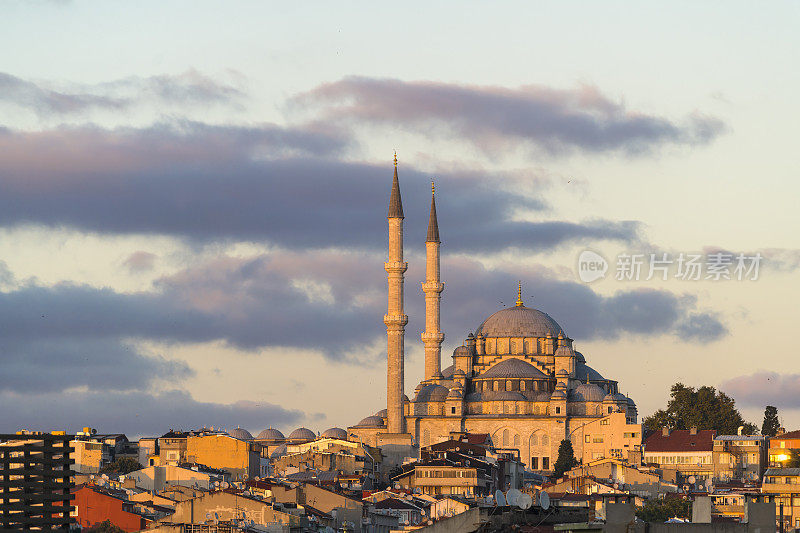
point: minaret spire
(432, 287)
(395, 319)
(519, 295)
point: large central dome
(519, 321)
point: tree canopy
(123, 465)
(662, 510)
(566, 459)
(104, 527)
(771, 423)
(704, 408)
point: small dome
(271, 434)
(383, 413)
(454, 394)
(371, 422)
(303, 434)
(335, 433)
(584, 372)
(559, 394)
(459, 372)
(504, 395)
(579, 357)
(448, 372)
(432, 393)
(462, 351)
(519, 322)
(631, 403)
(241, 434)
(278, 452)
(513, 368)
(564, 350)
(562, 372)
(588, 392)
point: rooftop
(681, 440)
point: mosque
(517, 378)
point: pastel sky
(193, 198)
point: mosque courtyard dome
(241, 434)
(519, 321)
(271, 434)
(335, 433)
(302, 434)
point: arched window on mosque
(545, 440)
(505, 437)
(534, 440)
(516, 440)
(521, 385)
(426, 437)
(509, 385)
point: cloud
(136, 413)
(765, 388)
(493, 118)
(264, 183)
(140, 261)
(46, 99)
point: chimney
(665, 432)
(693, 430)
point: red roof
(681, 440)
(790, 435)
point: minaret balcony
(395, 320)
(432, 286)
(395, 267)
(430, 337)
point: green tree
(771, 424)
(566, 459)
(123, 465)
(104, 527)
(663, 510)
(794, 459)
(704, 407)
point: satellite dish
(692, 480)
(525, 501)
(225, 484)
(544, 501)
(700, 486)
(513, 496)
(499, 499)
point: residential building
(442, 477)
(406, 512)
(781, 447)
(636, 480)
(94, 505)
(92, 451)
(241, 458)
(782, 485)
(688, 453)
(157, 478)
(739, 457)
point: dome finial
(519, 295)
(395, 158)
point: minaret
(432, 287)
(395, 319)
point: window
(587, 439)
(609, 409)
(558, 410)
(534, 463)
(545, 463)
(516, 440)
(598, 439)
(534, 440)
(505, 437)
(545, 440)
(604, 422)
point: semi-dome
(271, 434)
(432, 393)
(588, 392)
(513, 368)
(615, 397)
(371, 422)
(448, 372)
(462, 351)
(241, 434)
(504, 395)
(519, 322)
(278, 452)
(584, 372)
(335, 433)
(562, 372)
(302, 434)
(579, 357)
(383, 413)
